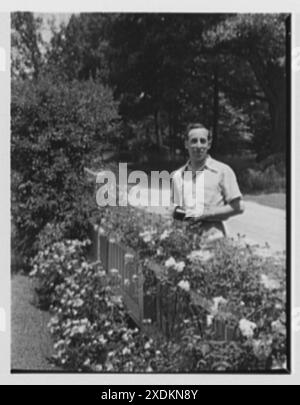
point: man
(219, 197)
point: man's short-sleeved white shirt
(218, 182)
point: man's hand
(235, 207)
(193, 217)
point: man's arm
(234, 207)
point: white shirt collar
(209, 164)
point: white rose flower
(128, 257)
(278, 327)
(209, 320)
(126, 351)
(171, 262)
(147, 235)
(214, 236)
(109, 366)
(78, 329)
(87, 362)
(98, 367)
(147, 238)
(217, 301)
(247, 327)
(159, 252)
(165, 234)
(179, 266)
(85, 265)
(184, 285)
(114, 272)
(78, 303)
(200, 255)
(102, 340)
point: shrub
(258, 180)
(269, 175)
(55, 128)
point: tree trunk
(171, 134)
(157, 128)
(215, 108)
(273, 82)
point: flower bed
(91, 327)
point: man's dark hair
(198, 126)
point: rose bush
(93, 332)
(53, 264)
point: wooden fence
(113, 255)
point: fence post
(98, 244)
(158, 305)
(141, 292)
(103, 249)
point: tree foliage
(169, 69)
(78, 50)
(26, 42)
(260, 41)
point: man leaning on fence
(205, 191)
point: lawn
(274, 200)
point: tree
(78, 50)
(26, 43)
(260, 40)
(151, 59)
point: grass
(31, 343)
(274, 200)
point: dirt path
(31, 344)
(260, 225)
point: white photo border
(58, 6)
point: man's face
(198, 144)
